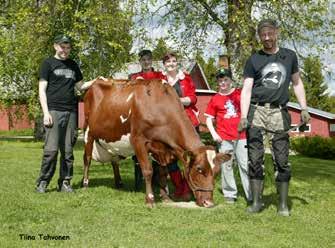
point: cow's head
(201, 166)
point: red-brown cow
(151, 112)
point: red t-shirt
(226, 110)
(146, 75)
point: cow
(151, 115)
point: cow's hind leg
(87, 159)
(117, 176)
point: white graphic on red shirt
(231, 110)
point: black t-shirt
(61, 76)
(272, 75)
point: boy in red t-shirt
(224, 108)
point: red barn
(322, 123)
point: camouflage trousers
(268, 123)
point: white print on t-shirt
(67, 73)
(231, 111)
(273, 75)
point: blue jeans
(229, 188)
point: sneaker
(42, 187)
(230, 200)
(66, 187)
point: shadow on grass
(273, 199)
(108, 182)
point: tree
(209, 69)
(234, 21)
(100, 30)
(160, 50)
(315, 85)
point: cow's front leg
(143, 158)
(164, 190)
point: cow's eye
(199, 169)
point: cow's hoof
(119, 185)
(165, 198)
(84, 183)
(208, 204)
(150, 201)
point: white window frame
(332, 127)
(308, 125)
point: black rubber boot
(283, 196)
(257, 192)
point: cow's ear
(188, 156)
(221, 157)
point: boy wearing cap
(58, 78)
(147, 72)
(265, 93)
(224, 108)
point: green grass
(21, 132)
(103, 216)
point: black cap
(224, 73)
(62, 38)
(267, 23)
(144, 53)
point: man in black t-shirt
(265, 93)
(58, 78)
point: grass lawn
(103, 216)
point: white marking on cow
(123, 119)
(164, 81)
(130, 96)
(104, 152)
(151, 196)
(210, 156)
(86, 134)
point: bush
(316, 146)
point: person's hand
(102, 78)
(242, 125)
(217, 138)
(305, 116)
(47, 120)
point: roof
(190, 66)
(313, 111)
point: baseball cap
(62, 38)
(267, 23)
(144, 53)
(223, 72)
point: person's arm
(189, 91)
(299, 91)
(81, 86)
(209, 122)
(42, 88)
(246, 96)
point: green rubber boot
(283, 196)
(257, 192)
